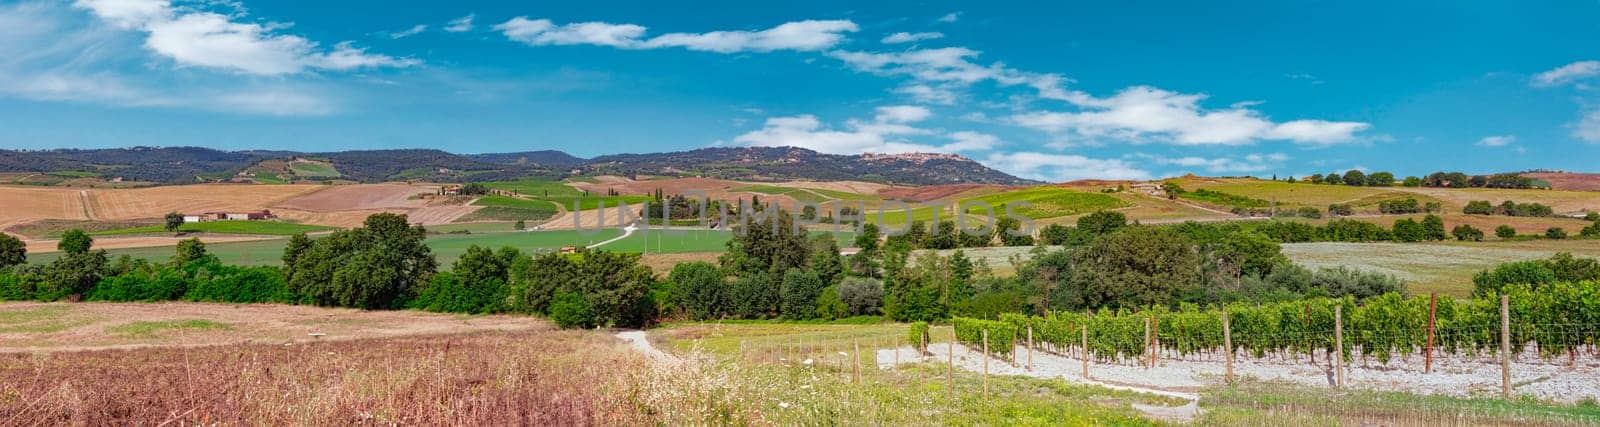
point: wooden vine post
(1338, 346)
(855, 366)
(1030, 347)
(1155, 338)
(1147, 338)
(1227, 343)
(950, 374)
(1505, 346)
(1084, 329)
(1427, 352)
(985, 362)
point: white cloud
(1062, 167)
(799, 36)
(889, 131)
(212, 40)
(950, 17)
(1247, 164)
(904, 37)
(1567, 73)
(929, 94)
(1588, 128)
(1143, 113)
(462, 24)
(414, 30)
(951, 66)
(903, 114)
(50, 52)
(1497, 140)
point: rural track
(83, 198)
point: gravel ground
(1452, 375)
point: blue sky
(1048, 90)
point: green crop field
(502, 208)
(269, 228)
(1048, 202)
(810, 195)
(313, 169)
(447, 247)
(255, 252)
(562, 194)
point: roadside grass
(151, 328)
(1263, 403)
(265, 228)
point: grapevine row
(1554, 319)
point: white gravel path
(1452, 375)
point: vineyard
(1553, 320)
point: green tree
(700, 286)
(774, 246)
(189, 250)
(1433, 228)
(519, 225)
(825, 259)
(1478, 207)
(535, 281)
(298, 244)
(1409, 230)
(1505, 232)
(75, 242)
(863, 296)
(800, 291)
(174, 220)
(1248, 253)
(1102, 222)
(1380, 179)
(1136, 267)
(12, 251)
(1412, 181)
(1009, 231)
(378, 265)
(1355, 177)
(73, 274)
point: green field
(503, 208)
(562, 194)
(302, 169)
(809, 195)
(268, 228)
(447, 247)
(1048, 202)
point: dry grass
(536, 377)
(359, 197)
(24, 204)
(35, 327)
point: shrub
(571, 310)
(241, 285)
(1403, 206)
(1478, 207)
(1057, 234)
(1408, 230)
(1490, 282)
(75, 242)
(1309, 212)
(1102, 222)
(1592, 230)
(1555, 233)
(1505, 232)
(754, 296)
(1341, 282)
(1340, 209)
(1466, 232)
(1433, 227)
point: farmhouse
(263, 214)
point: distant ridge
(178, 165)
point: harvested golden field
(359, 197)
(153, 202)
(23, 204)
(857, 187)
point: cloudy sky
(1052, 91)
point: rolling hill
(186, 165)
